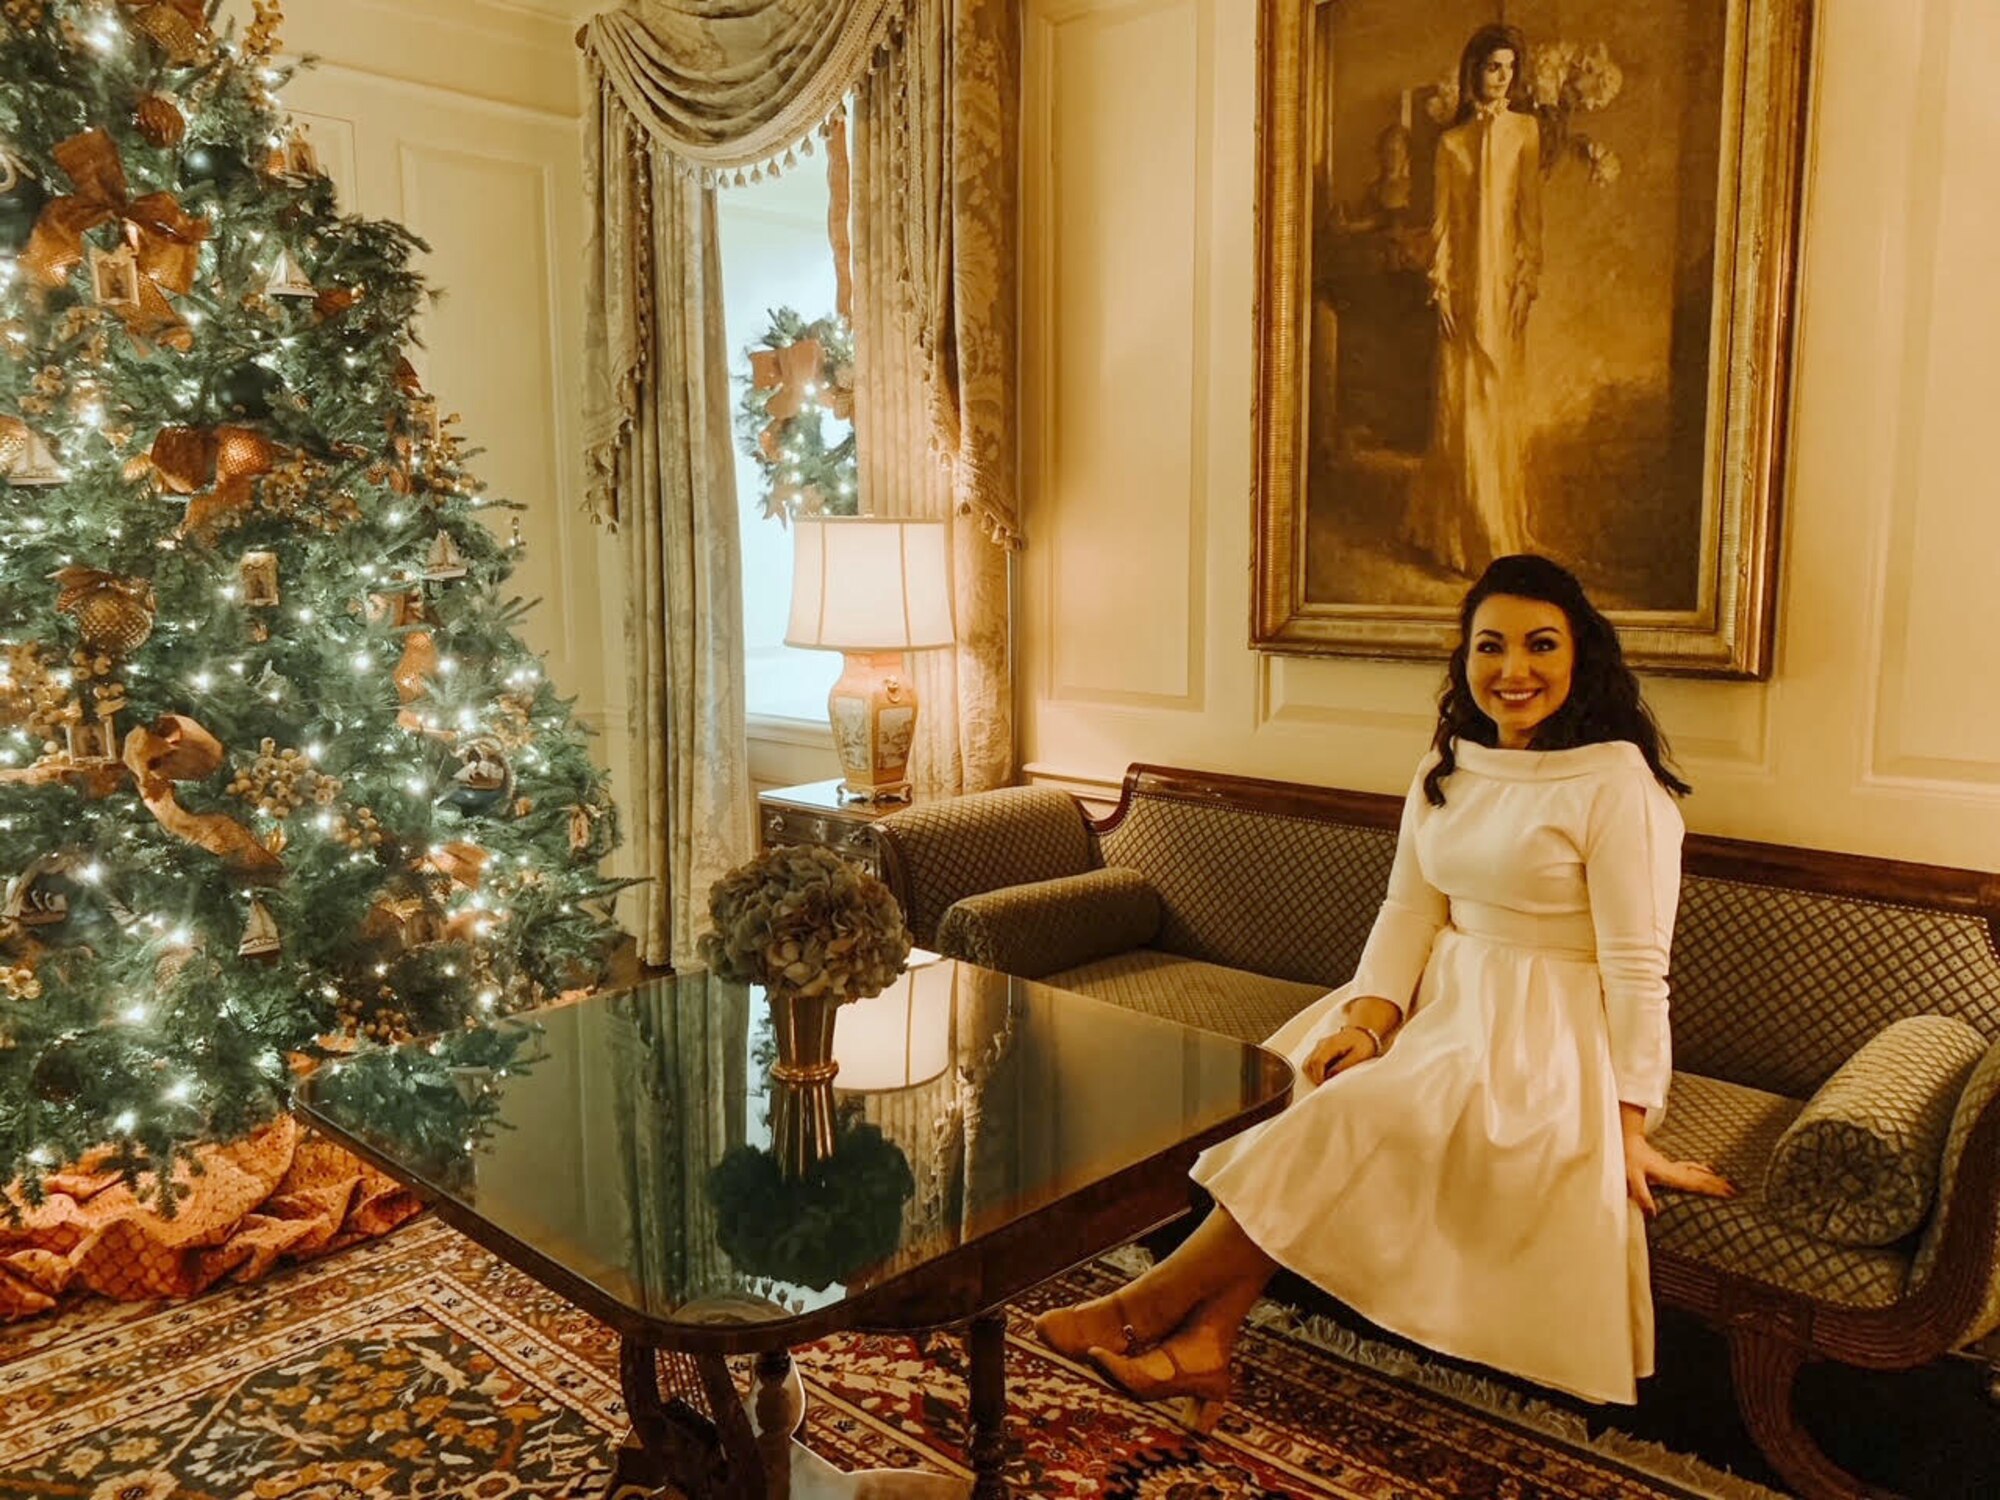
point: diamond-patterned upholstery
(1288, 896)
(1775, 988)
(1243, 1005)
(1859, 1166)
(1980, 1090)
(1734, 1129)
(936, 852)
(1034, 929)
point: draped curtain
(935, 207)
(685, 95)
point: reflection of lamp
(901, 1037)
(871, 587)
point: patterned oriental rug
(418, 1366)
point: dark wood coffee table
(580, 1143)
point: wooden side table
(815, 814)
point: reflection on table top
(618, 1147)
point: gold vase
(802, 1079)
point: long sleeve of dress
(1411, 914)
(1632, 866)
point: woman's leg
(1217, 1261)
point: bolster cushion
(1859, 1166)
(936, 853)
(1036, 929)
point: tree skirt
(281, 1194)
(418, 1366)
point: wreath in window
(801, 374)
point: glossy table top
(992, 1131)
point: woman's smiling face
(1518, 663)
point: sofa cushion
(1232, 1001)
(1859, 1166)
(937, 852)
(1734, 1129)
(1045, 925)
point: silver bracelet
(1371, 1033)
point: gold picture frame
(1614, 394)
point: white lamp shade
(900, 1037)
(869, 583)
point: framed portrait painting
(1526, 281)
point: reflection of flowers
(843, 1213)
(803, 919)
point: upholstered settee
(1229, 903)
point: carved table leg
(1763, 1369)
(671, 1444)
(988, 1446)
(780, 1407)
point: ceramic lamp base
(873, 710)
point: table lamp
(871, 587)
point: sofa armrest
(938, 853)
(1038, 929)
(1961, 1244)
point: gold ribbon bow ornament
(175, 748)
(179, 26)
(186, 460)
(164, 239)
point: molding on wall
(466, 98)
(1043, 321)
(1094, 789)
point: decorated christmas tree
(275, 767)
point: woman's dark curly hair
(1603, 702)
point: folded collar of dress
(1547, 765)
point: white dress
(1467, 1188)
(1486, 237)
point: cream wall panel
(1122, 455)
(1876, 732)
(510, 53)
(1944, 551)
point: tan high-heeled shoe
(1060, 1328)
(1198, 1396)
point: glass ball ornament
(21, 201)
(248, 391)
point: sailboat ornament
(445, 560)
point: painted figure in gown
(1470, 504)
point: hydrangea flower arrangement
(805, 921)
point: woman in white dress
(1465, 1159)
(1486, 261)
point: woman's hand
(1646, 1164)
(1337, 1053)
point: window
(774, 254)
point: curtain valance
(729, 84)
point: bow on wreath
(165, 239)
(795, 374)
